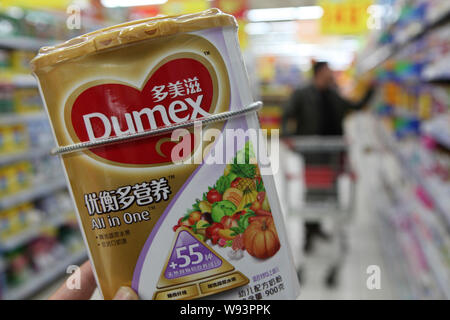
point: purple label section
(190, 256)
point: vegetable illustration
(235, 212)
(261, 238)
(222, 208)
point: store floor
(363, 252)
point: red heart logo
(179, 90)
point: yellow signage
(344, 16)
(37, 4)
(175, 7)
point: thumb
(126, 293)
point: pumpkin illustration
(261, 238)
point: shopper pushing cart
(313, 122)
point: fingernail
(125, 293)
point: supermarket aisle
(408, 57)
(364, 250)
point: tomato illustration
(213, 230)
(213, 196)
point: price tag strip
(193, 270)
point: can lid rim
(128, 33)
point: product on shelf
(2, 277)
(5, 59)
(19, 269)
(47, 168)
(26, 24)
(32, 260)
(270, 117)
(129, 195)
(54, 205)
(4, 181)
(6, 97)
(20, 60)
(17, 219)
(21, 174)
(20, 137)
(27, 100)
(15, 177)
(31, 23)
(40, 133)
(13, 138)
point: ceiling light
(130, 3)
(257, 28)
(285, 14)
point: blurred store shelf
(413, 233)
(24, 81)
(13, 118)
(34, 231)
(25, 43)
(438, 71)
(45, 277)
(432, 191)
(37, 190)
(386, 51)
(439, 130)
(380, 55)
(34, 153)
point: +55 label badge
(193, 269)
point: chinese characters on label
(113, 239)
(263, 289)
(142, 194)
(178, 89)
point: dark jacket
(319, 112)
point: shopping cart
(329, 192)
